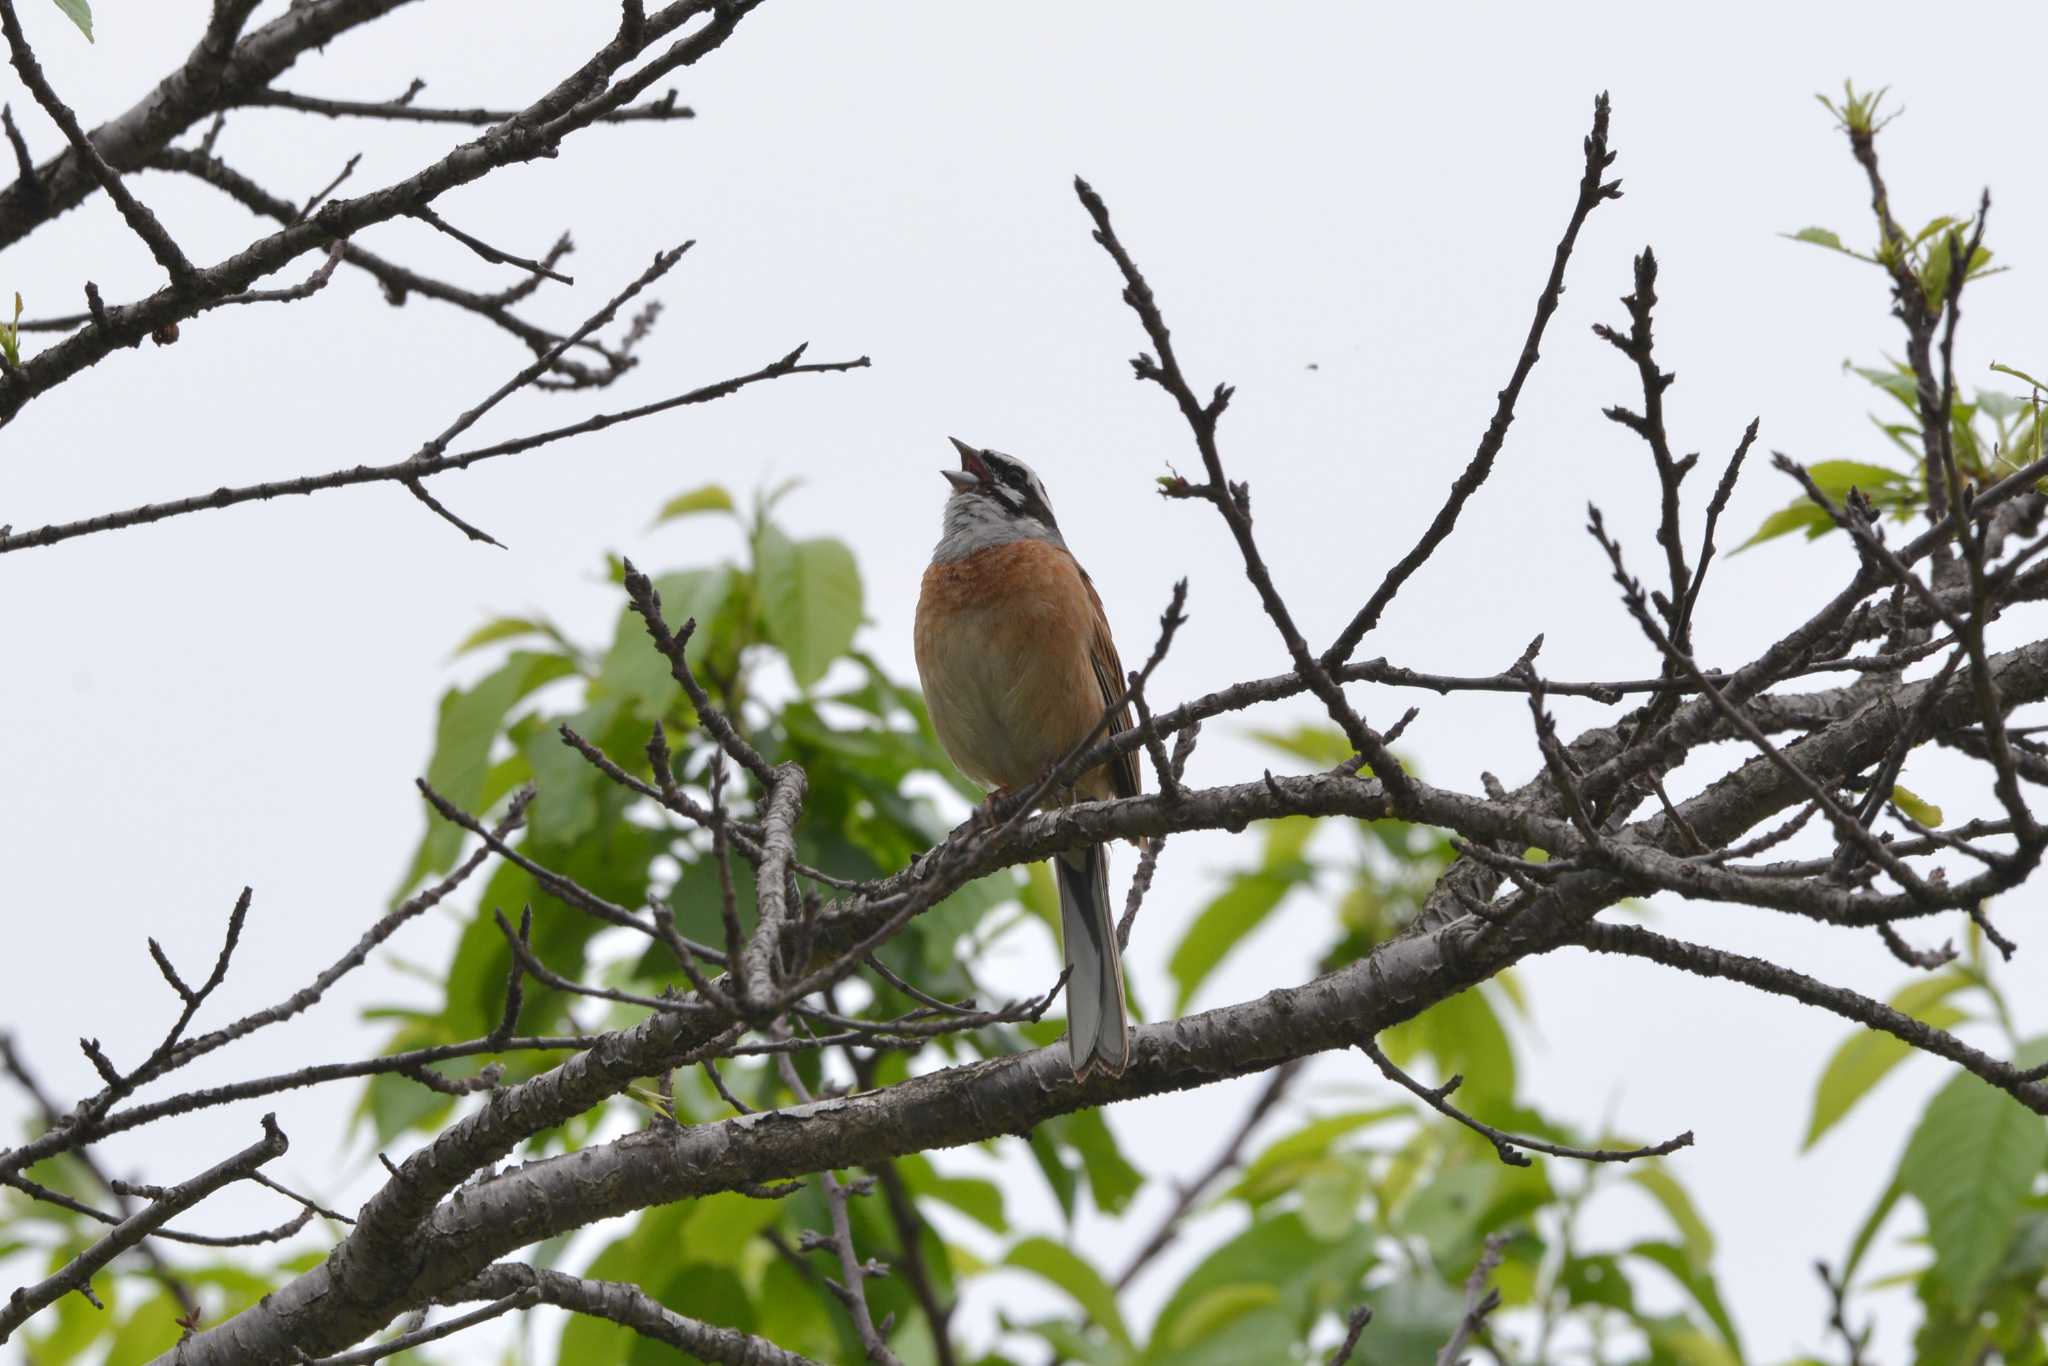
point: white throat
(974, 522)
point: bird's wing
(1109, 676)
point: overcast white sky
(1346, 210)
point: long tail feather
(1098, 1032)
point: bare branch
(630, 1307)
(410, 469)
(1592, 192)
(77, 1274)
(1233, 501)
(486, 250)
(1637, 942)
(1481, 1299)
(137, 215)
(518, 1299)
(1506, 1144)
(402, 110)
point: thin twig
(486, 250)
(134, 212)
(1506, 1144)
(662, 110)
(1593, 191)
(405, 1342)
(1481, 1299)
(410, 469)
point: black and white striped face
(996, 499)
(1005, 481)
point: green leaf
(1824, 237)
(470, 722)
(149, 1332)
(1682, 1344)
(1868, 1056)
(78, 12)
(2001, 407)
(1242, 908)
(1324, 746)
(718, 1227)
(1804, 515)
(1916, 806)
(1837, 477)
(71, 1326)
(1464, 1035)
(1866, 1232)
(1970, 1161)
(1820, 237)
(395, 1104)
(657, 1254)
(1934, 225)
(705, 498)
(1313, 1277)
(1287, 841)
(1331, 1192)
(1697, 1281)
(1112, 1180)
(1899, 381)
(792, 1314)
(2003, 369)
(1412, 1317)
(1450, 1214)
(1083, 1283)
(10, 335)
(1598, 1278)
(980, 1200)
(1656, 1179)
(632, 668)
(1281, 1164)
(1052, 1164)
(567, 789)
(1068, 1343)
(501, 628)
(810, 599)
(1214, 1309)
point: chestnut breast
(1002, 645)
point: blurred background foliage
(1341, 1198)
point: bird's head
(990, 486)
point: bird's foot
(983, 817)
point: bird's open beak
(973, 471)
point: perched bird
(1018, 667)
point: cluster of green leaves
(1974, 1163)
(1992, 433)
(1857, 111)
